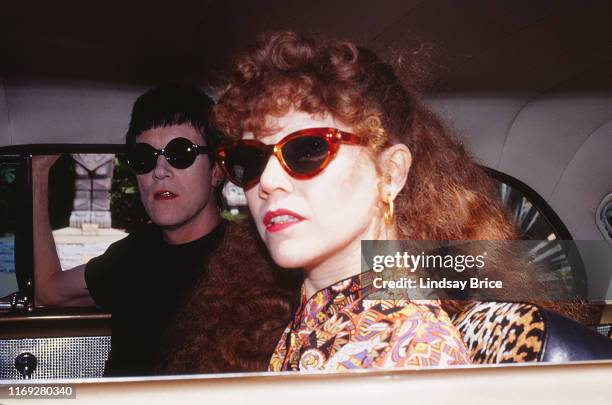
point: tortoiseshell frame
(333, 136)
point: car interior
(526, 87)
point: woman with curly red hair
(333, 148)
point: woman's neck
(342, 264)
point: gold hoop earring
(389, 211)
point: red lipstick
(276, 221)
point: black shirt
(141, 280)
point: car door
(38, 342)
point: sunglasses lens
(141, 158)
(245, 163)
(305, 154)
(180, 153)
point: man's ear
(394, 164)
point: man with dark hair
(142, 278)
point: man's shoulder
(142, 235)
(119, 268)
(142, 239)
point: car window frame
(23, 238)
(24, 242)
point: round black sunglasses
(179, 152)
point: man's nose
(162, 168)
(274, 178)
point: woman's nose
(274, 178)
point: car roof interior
(526, 85)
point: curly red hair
(235, 316)
(447, 196)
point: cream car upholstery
(558, 141)
(42, 111)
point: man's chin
(169, 224)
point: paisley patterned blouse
(338, 328)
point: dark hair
(172, 104)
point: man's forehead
(161, 135)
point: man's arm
(53, 286)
